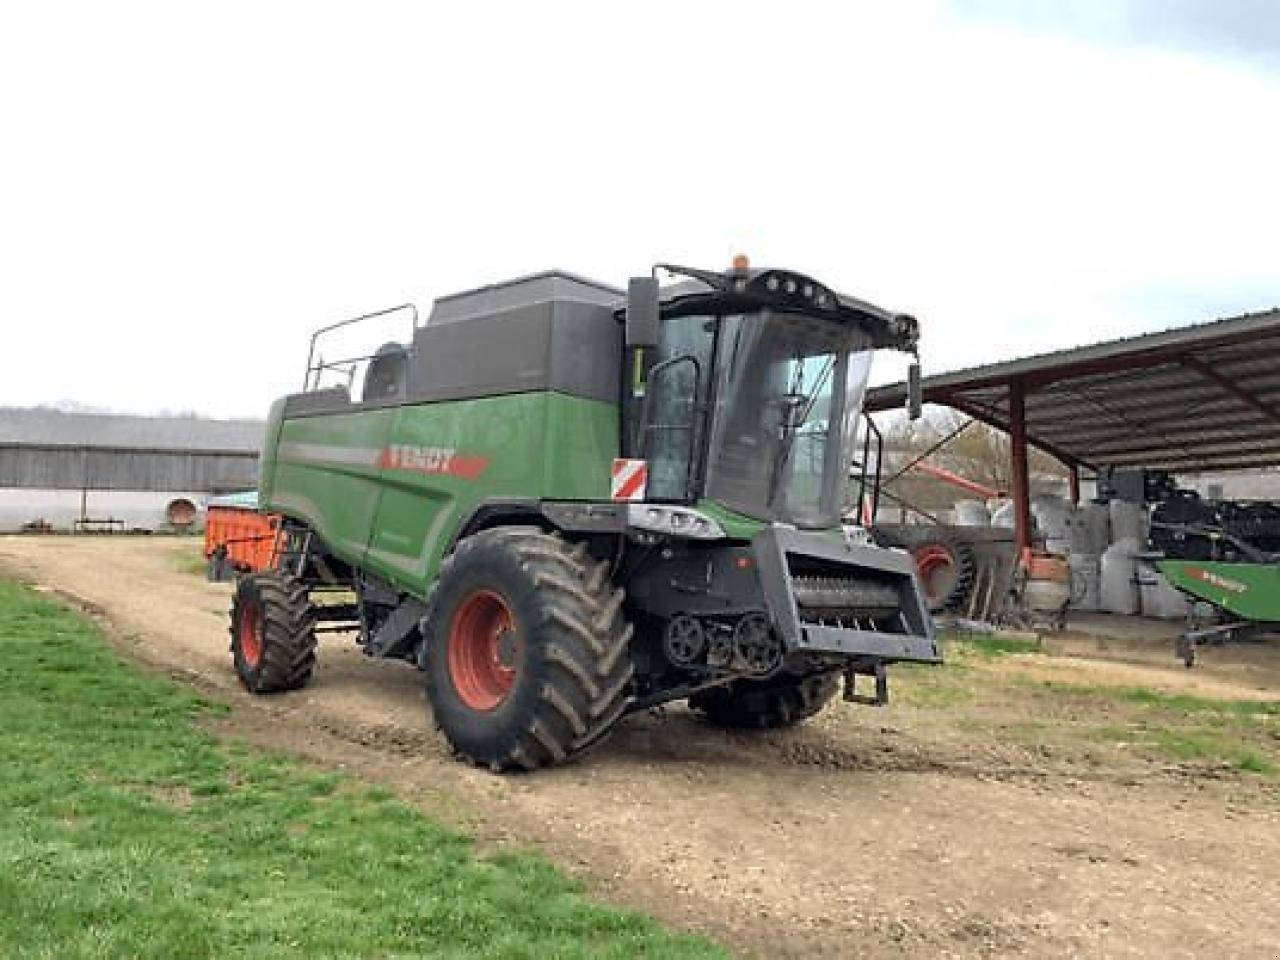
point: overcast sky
(187, 190)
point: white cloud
(184, 197)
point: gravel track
(868, 833)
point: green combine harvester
(564, 502)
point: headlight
(676, 521)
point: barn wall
(71, 468)
(141, 510)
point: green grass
(1242, 734)
(1184, 704)
(931, 687)
(128, 831)
(1260, 710)
(1192, 743)
(192, 560)
(1239, 733)
(956, 683)
(991, 645)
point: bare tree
(978, 452)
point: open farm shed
(1188, 400)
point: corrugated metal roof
(1201, 397)
(56, 428)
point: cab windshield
(771, 400)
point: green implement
(1248, 594)
(1250, 591)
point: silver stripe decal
(328, 453)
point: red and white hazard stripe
(629, 479)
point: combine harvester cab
(565, 503)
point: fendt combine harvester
(565, 503)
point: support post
(1073, 483)
(1021, 476)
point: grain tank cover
(523, 292)
(546, 332)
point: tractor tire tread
(580, 641)
(288, 621)
(766, 704)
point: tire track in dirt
(861, 834)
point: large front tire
(527, 660)
(764, 704)
(273, 639)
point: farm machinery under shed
(1222, 553)
(1191, 400)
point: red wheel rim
(250, 635)
(936, 568)
(483, 650)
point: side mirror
(915, 392)
(642, 312)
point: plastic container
(1089, 529)
(1118, 572)
(972, 513)
(1128, 521)
(1159, 599)
(1059, 546)
(1086, 582)
(1003, 516)
(1053, 516)
(1047, 596)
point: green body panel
(1248, 590)
(388, 488)
(735, 525)
(329, 478)
(267, 457)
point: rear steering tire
(526, 654)
(273, 640)
(764, 704)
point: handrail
(311, 351)
(872, 429)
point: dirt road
(911, 831)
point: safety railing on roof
(347, 366)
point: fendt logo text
(1217, 580)
(432, 460)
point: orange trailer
(237, 537)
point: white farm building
(69, 471)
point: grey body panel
(551, 332)
(698, 579)
(566, 346)
(573, 516)
(398, 633)
(316, 401)
(586, 517)
(777, 548)
(521, 292)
